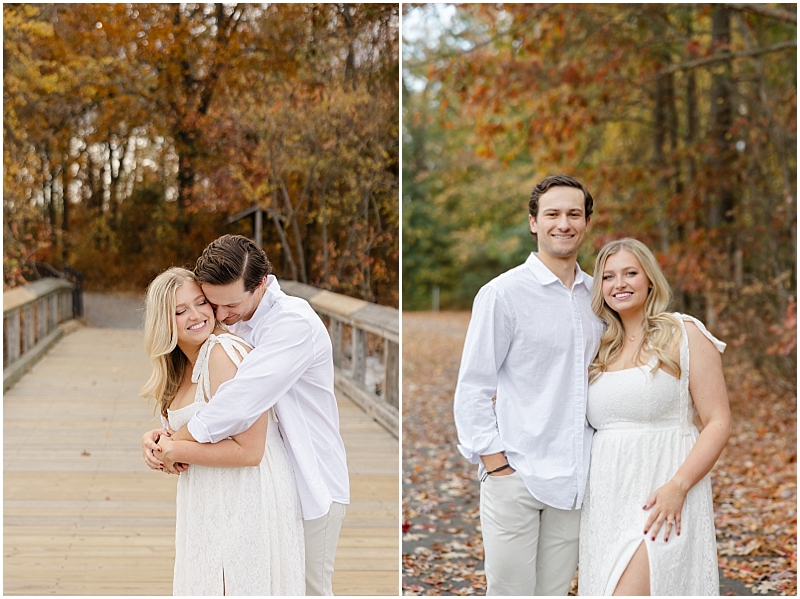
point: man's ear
(532, 222)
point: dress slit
(622, 564)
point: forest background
(133, 132)
(682, 122)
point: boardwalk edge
(13, 373)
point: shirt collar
(271, 295)
(546, 276)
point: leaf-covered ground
(755, 480)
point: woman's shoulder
(228, 338)
(224, 352)
(697, 333)
(227, 348)
(221, 366)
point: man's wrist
(494, 460)
(183, 434)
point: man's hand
(150, 448)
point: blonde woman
(647, 526)
(239, 528)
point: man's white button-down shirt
(290, 368)
(530, 342)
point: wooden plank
(336, 303)
(103, 524)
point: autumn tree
(679, 119)
(134, 131)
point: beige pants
(322, 536)
(530, 548)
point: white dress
(243, 524)
(645, 430)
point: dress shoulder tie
(236, 349)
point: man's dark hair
(230, 258)
(559, 181)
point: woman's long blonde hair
(659, 326)
(161, 338)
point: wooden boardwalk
(83, 515)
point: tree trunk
(324, 211)
(286, 251)
(350, 66)
(721, 210)
(691, 302)
(663, 111)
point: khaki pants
(530, 548)
(322, 536)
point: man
(290, 368)
(529, 344)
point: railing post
(41, 318)
(391, 379)
(11, 330)
(359, 355)
(52, 312)
(27, 324)
(65, 306)
(336, 341)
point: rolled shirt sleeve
(282, 353)
(485, 348)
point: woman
(647, 526)
(239, 527)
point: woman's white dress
(645, 430)
(241, 524)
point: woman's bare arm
(244, 449)
(710, 396)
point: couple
(558, 370)
(250, 424)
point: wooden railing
(365, 340)
(31, 318)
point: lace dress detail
(645, 430)
(241, 523)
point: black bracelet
(488, 472)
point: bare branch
(761, 9)
(724, 57)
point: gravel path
(113, 310)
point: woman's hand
(666, 503)
(165, 451)
(150, 448)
